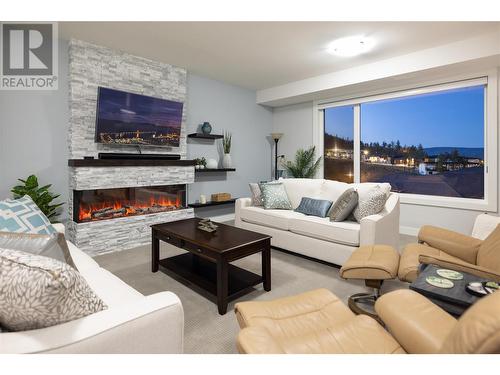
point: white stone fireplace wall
(91, 66)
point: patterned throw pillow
(344, 205)
(314, 207)
(49, 245)
(256, 194)
(38, 292)
(274, 196)
(23, 216)
(370, 203)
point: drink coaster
(450, 274)
(439, 282)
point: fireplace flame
(121, 208)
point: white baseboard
(409, 231)
(222, 218)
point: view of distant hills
(117, 126)
(470, 152)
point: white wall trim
(408, 231)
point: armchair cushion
(488, 255)
(371, 262)
(415, 322)
(409, 261)
(452, 243)
(359, 335)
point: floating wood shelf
(128, 163)
(215, 170)
(205, 136)
(211, 203)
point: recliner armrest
(452, 243)
(469, 268)
(414, 321)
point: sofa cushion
(314, 207)
(344, 205)
(370, 203)
(111, 289)
(22, 215)
(270, 218)
(297, 188)
(332, 190)
(364, 187)
(256, 194)
(37, 292)
(50, 245)
(345, 232)
(274, 196)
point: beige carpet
(205, 330)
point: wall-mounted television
(124, 118)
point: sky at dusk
(453, 118)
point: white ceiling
(259, 55)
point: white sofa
(133, 323)
(317, 237)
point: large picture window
(339, 143)
(431, 144)
(425, 142)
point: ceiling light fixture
(350, 46)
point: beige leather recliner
(318, 322)
(478, 254)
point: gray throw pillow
(274, 196)
(314, 207)
(50, 245)
(344, 205)
(38, 292)
(370, 203)
(256, 194)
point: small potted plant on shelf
(226, 145)
(200, 163)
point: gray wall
(232, 109)
(33, 134)
(34, 126)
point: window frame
(488, 79)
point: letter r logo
(27, 49)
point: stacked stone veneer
(91, 66)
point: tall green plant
(40, 195)
(226, 142)
(304, 165)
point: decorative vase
(226, 161)
(211, 164)
(206, 128)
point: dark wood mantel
(129, 163)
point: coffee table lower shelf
(201, 275)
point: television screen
(130, 119)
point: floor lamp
(276, 137)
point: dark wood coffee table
(206, 266)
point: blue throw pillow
(314, 207)
(23, 216)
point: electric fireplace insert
(104, 204)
